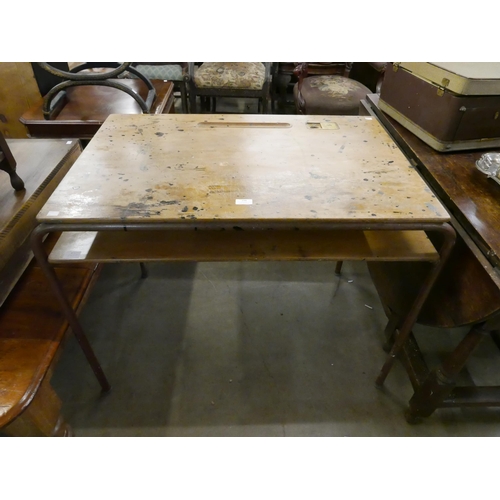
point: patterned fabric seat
(236, 75)
(332, 95)
(172, 72)
(336, 94)
(229, 79)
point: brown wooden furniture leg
(393, 324)
(8, 165)
(338, 267)
(42, 417)
(441, 381)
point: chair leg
(338, 267)
(265, 105)
(184, 102)
(205, 104)
(144, 270)
(192, 101)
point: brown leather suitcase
(450, 106)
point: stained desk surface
(301, 169)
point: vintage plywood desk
(243, 187)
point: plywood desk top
(245, 168)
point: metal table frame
(402, 334)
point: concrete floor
(248, 349)
(251, 349)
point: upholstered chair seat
(331, 95)
(172, 72)
(211, 80)
(334, 94)
(236, 75)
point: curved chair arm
(73, 74)
(56, 97)
(380, 67)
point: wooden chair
(284, 78)
(172, 71)
(84, 75)
(229, 79)
(336, 94)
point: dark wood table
(42, 164)
(89, 106)
(31, 326)
(468, 290)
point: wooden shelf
(238, 245)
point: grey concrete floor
(249, 349)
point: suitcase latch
(444, 83)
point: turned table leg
(441, 381)
(8, 165)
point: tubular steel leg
(42, 259)
(411, 317)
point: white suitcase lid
(466, 78)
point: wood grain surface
(471, 196)
(32, 327)
(176, 168)
(41, 163)
(215, 246)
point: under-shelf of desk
(239, 245)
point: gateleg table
(243, 187)
(467, 292)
